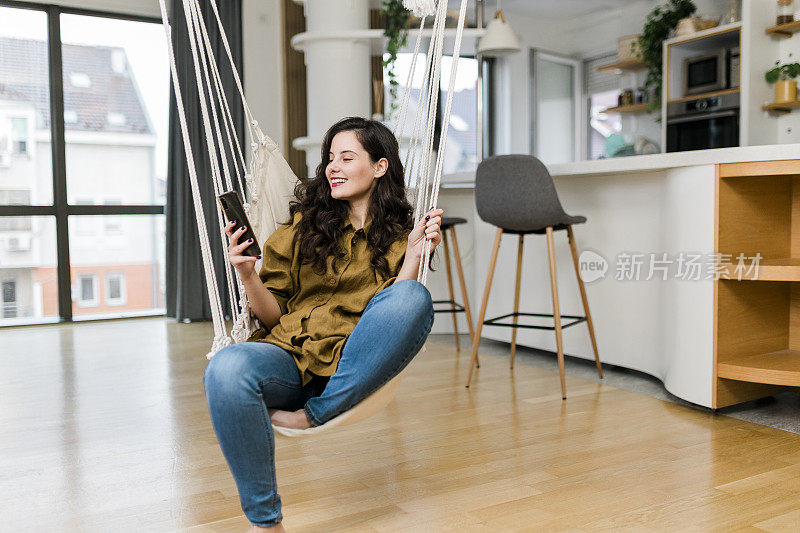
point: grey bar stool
(449, 233)
(516, 193)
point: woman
(341, 309)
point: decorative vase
(786, 91)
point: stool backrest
(516, 192)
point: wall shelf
(633, 108)
(619, 66)
(781, 367)
(784, 31)
(781, 108)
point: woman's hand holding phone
(244, 264)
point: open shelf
(781, 108)
(716, 32)
(784, 31)
(757, 314)
(781, 367)
(703, 95)
(633, 108)
(625, 64)
(784, 269)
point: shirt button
(332, 281)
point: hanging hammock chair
(268, 181)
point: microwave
(706, 73)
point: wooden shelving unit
(784, 31)
(620, 66)
(633, 108)
(781, 367)
(783, 269)
(757, 318)
(781, 108)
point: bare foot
(273, 529)
(289, 419)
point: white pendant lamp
(499, 39)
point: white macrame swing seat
(269, 183)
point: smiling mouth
(337, 181)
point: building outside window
(115, 89)
(87, 290)
(19, 135)
(115, 288)
(9, 294)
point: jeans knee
(414, 298)
(224, 368)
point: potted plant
(657, 27)
(783, 78)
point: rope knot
(421, 8)
(219, 343)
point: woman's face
(351, 175)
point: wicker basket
(628, 47)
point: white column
(337, 68)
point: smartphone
(233, 209)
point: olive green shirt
(320, 312)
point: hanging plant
(657, 27)
(396, 19)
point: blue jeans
(243, 380)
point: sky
(144, 44)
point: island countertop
(653, 162)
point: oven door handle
(698, 117)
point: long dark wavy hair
(324, 218)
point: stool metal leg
(477, 338)
(450, 288)
(463, 284)
(556, 310)
(516, 300)
(582, 288)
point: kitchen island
(658, 224)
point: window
(19, 135)
(555, 89)
(84, 226)
(9, 293)
(80, 80)
(15, 197)
(601, 91)
(87, 290)
(115, 288)
(462, 152)
(112, 224)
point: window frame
(61, 209)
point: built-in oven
(703, 123)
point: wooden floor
(104, 427)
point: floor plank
(104, 426)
